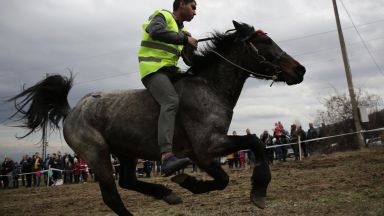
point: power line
(84, 58)
(326, 32)
(362, 40)
(106, 77)
(332, 59)
(330, 48)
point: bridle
(260, 60)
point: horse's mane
(220, 43)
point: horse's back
(124, 119)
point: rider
(162, 44)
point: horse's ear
(244, 31)
(236, 24)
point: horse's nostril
(300, 69)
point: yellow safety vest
(154, 54)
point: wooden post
(299, 148)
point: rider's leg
(163, 91)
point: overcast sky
(99, 39)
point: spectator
(281, 136)
(158, 167)
(37, 165)
(15, 175)
(148, 168)
(230, 160)
(92, 175)
(278, 129)
(231, 157)
(250, 154)
(140, 167)
(311, 134)
(83, 170)
(267, 139)
(26, 167)
(303, 137)
(60, 166)
(47, 164)
(236, 159)
(76, 171)
(295, 139)
(55, 164)
(68, 168)
(6, 170)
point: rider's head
(185, 10)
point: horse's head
(264, 52)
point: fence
(323, 138)
(273, 146)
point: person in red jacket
(83, 170)
(76, 170)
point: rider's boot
(171, 164)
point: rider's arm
(157, 29)
(187, 54)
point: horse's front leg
(196, 186)
(223, 145)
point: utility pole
(352, 95)
(44, 149)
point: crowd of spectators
(67, 169)
(281, 136)
(53, 170)
(275, 142)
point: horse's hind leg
(129, 181)
(95, 151)
(104, 172)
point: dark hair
(176, 3)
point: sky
(98, 40)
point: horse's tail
(48, 104)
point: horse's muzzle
(300, 69)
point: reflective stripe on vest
(149, 59)
(153, 45)
(154, 54)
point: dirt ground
(346, 183)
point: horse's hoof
(172, 199)
(179, 179)
(258, 201)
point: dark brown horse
(124, 123)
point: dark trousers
(162, 90)
(296, 151)
(281, 153)
(5, 181)
(304, 147)
(15, 181)
(29, 180)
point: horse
(124, 123)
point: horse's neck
(226, 81)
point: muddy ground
(344, 183)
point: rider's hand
(192, 41)
(187, 33)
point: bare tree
(338, 106)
